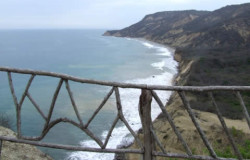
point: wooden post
(1, 143)
(145, 115)
(244, 109)
(223, 123)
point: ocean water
(86, 54)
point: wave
(160, 49)
(148, 45)
(130, 101)
(159, 65)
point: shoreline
(131, 95)
(208, 121)
(172, 52)
(209, 53)
(173, 81)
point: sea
(82, 53)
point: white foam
(165, 63)
(159, 65)
(163, 51)
(130, 100)
(148, 45)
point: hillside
(217, 43)
(212, 48)
(225, 27)
(162, 27)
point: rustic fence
(150, 140)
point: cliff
(225, 27)
(214, 45)
(212, 48)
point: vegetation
(217, 46)
(226, 151)
(217, 41)
(218, 67)
(242, 144)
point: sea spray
(130, 101)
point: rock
(18, 151)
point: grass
(242, 144)
(228, 153)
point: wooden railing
(150, 140)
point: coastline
(172, 51)
(207, 120)
(174, 79)
(162, 76)
(210, 52)
(176, 56)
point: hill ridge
(192, 28)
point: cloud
(92, 13)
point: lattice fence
(147, 144)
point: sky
(96, 14)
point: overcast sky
(106, 14)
